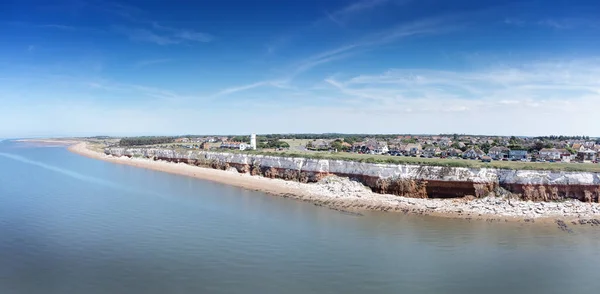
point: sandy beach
(348, 196)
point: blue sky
(91, 67)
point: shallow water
(70, 224)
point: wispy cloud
(162, 35)
(142, 28)
(133, 90)
(369, 42)
(129, 12)
(184, 34)
(340, 17)
(145, 35)
(357, 7)
(555, 23)
(59, 27)
(514, 21)
(271, 83)
(546, 86)
(372, 41)
(144, 63)
(30, 48)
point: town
(484, 148)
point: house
(498, 152)
(204, 146)
(432, 151)
(566, 156)
(578, 147)
(382, 148)
(320, 144)
(375, 147)
(586, 155)
(517, 154)
(444, 142)
(234, 145)
(182, 140)
(473, 153)
(413, 149)
(395, 147)
(551, 154)
(453, 152)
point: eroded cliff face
(404, 180)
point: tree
(350, 140)
(337, 145)
(485, 147)
(274, 143)
(244, 139)
(139, 141)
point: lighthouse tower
(253, 141)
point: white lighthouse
(253, 141)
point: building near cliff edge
(253, 141)
(234, 145)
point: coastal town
(566, 149)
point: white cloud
(535, 98)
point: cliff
(404, 180)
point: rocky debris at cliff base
(342, 187)
(351, 194)
(343, 193)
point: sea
(71, 224)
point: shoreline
(346, 196)
(49, 141)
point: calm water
(70, 224)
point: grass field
(296, 150)
(517, 165)
(297, 144)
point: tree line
(273, 143)
(149, 140)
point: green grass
(515, 165)
(295, 143)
